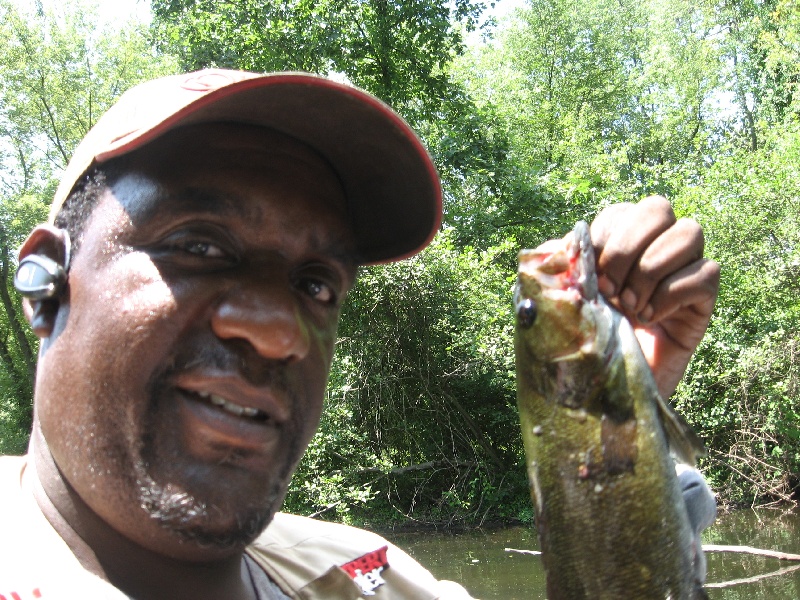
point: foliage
(59, 75)
(399, 51)
(604, 98)
(697, 101)
(569, 107)
(742, 387)
(421, 413)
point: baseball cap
(390, 182)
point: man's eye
(318, 290)
(205, 249)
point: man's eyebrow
(345, 255)
(214, 202)
(207, 201)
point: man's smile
(213, 434)
(233, 394)
(233, 408)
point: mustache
(229, 356)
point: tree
(421, 415)
(59, 75)
(781, 43)
(604, 99)
(399, 51)
(608, 101)
(742, 387)
(758, 93)
(573, 106)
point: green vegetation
(537, 122)
(59, 75)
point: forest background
(535, 122)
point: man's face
(186, 372)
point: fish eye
(526, 312)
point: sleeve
(701, 507)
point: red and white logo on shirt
(366, 570)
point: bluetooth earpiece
(39, 277)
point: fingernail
(628, 299)
(605, 286)
(646, 314)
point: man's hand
(651, 266)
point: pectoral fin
(683, 441)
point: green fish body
(610, 515)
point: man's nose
(266, 314)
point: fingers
(670, 257)
(694, 288)
(642, 253)
(621, 233)
(650, 265)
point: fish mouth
(566, 264)
(583, 257)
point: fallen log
(757, 552)
(711, 548)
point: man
(186, 295)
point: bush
(421, 419)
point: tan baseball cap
(391, 184)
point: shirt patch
(366, 570)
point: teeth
(235, 409)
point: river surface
(479, 559)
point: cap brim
(389, 179)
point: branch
(516, 550)
(717, 548)
(434, 464)
(751, 550)
(324, 510)
(732, 582)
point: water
(479, 560)
(772, 530)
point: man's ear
(41, 277)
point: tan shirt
(308, 559)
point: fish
(600, 443)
